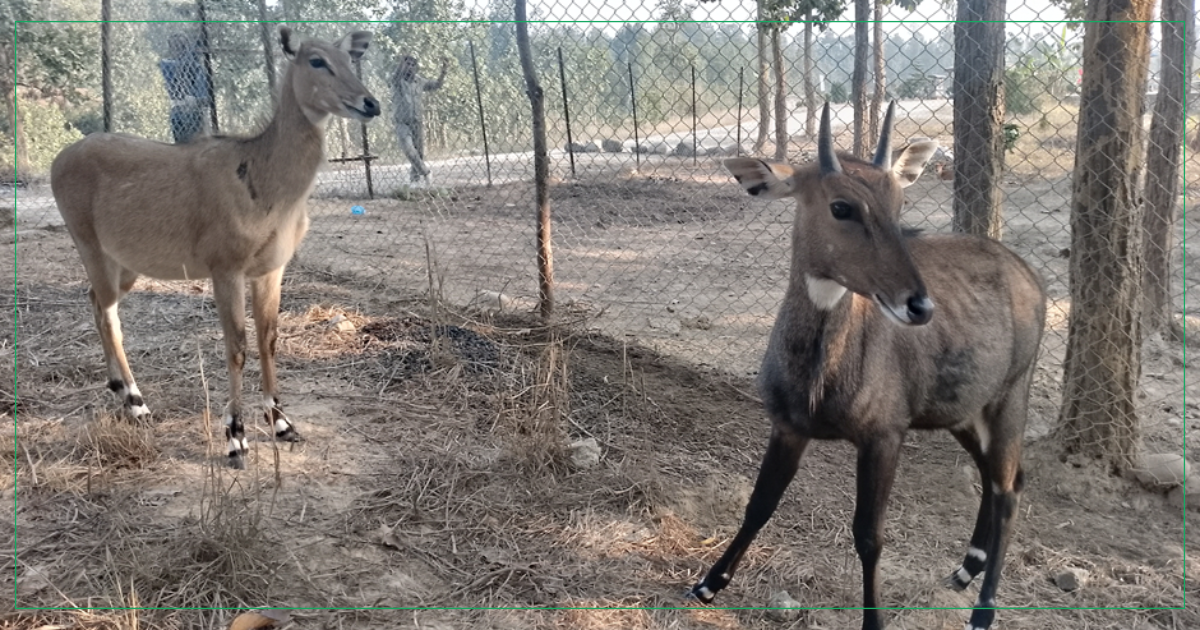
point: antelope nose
(920, 309)
(370, 106)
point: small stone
(1071, 580)
(585, 453)
(685, 148)
(1190, 498)
(341, 324)
(494, 300)
(1161, 471)
(783, 607)
(1186, 328)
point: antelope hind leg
(976, 559)
(110, 283)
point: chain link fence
(652, 239)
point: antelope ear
(285, 41)
(760, 178)
(909, 165)
(355, 44)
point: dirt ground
(434, 490)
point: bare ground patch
(434, 472)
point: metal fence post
(695, 136)
(741, 76)
(637, 143)
(206, 44)
(562, 75)
(106, 62)
(487, 159)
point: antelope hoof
(285, 431)
(701, 593)
(136, 409)
(237, 453)
(959, 580)
(290, 434)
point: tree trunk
(978, 116)
(877, 95)
(764, 91)
(21, 168)
(858, 81)
(1098, 418)
(541, 168)
(810, 90)
(1163, 159)
(781, 112)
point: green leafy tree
(53, 79)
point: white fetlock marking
(963, 575)
(139, 410)
(704, 592)
(977, 553)
(281, 425)
(237, 445)
(725, 576)
(269, 402)
(982, 603)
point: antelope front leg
(229, 291)
(264, 297)
(877, 460)
(778, 468)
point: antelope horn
(825, 155)
(883, 155)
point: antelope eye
(316, 62)
(841, 210)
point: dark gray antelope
(230, 209)
(860, 352)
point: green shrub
(47, 131)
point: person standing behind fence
(408, 89)
(187, 87)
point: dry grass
(434, 477)
(533, 416)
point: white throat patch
(825, 294)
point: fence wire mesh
(653, 241)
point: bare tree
(764, 82)
(858, 80)
(978, 116)
(781, 112)
(1164, 157)
(541, 167)
(810, 90)
(878, 94)
(1098, 418)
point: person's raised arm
(433, 85)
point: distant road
(36, 205)
(512, 167)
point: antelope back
(846, 234)
(323, 79)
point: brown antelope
(230, 209)
(859, 354)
